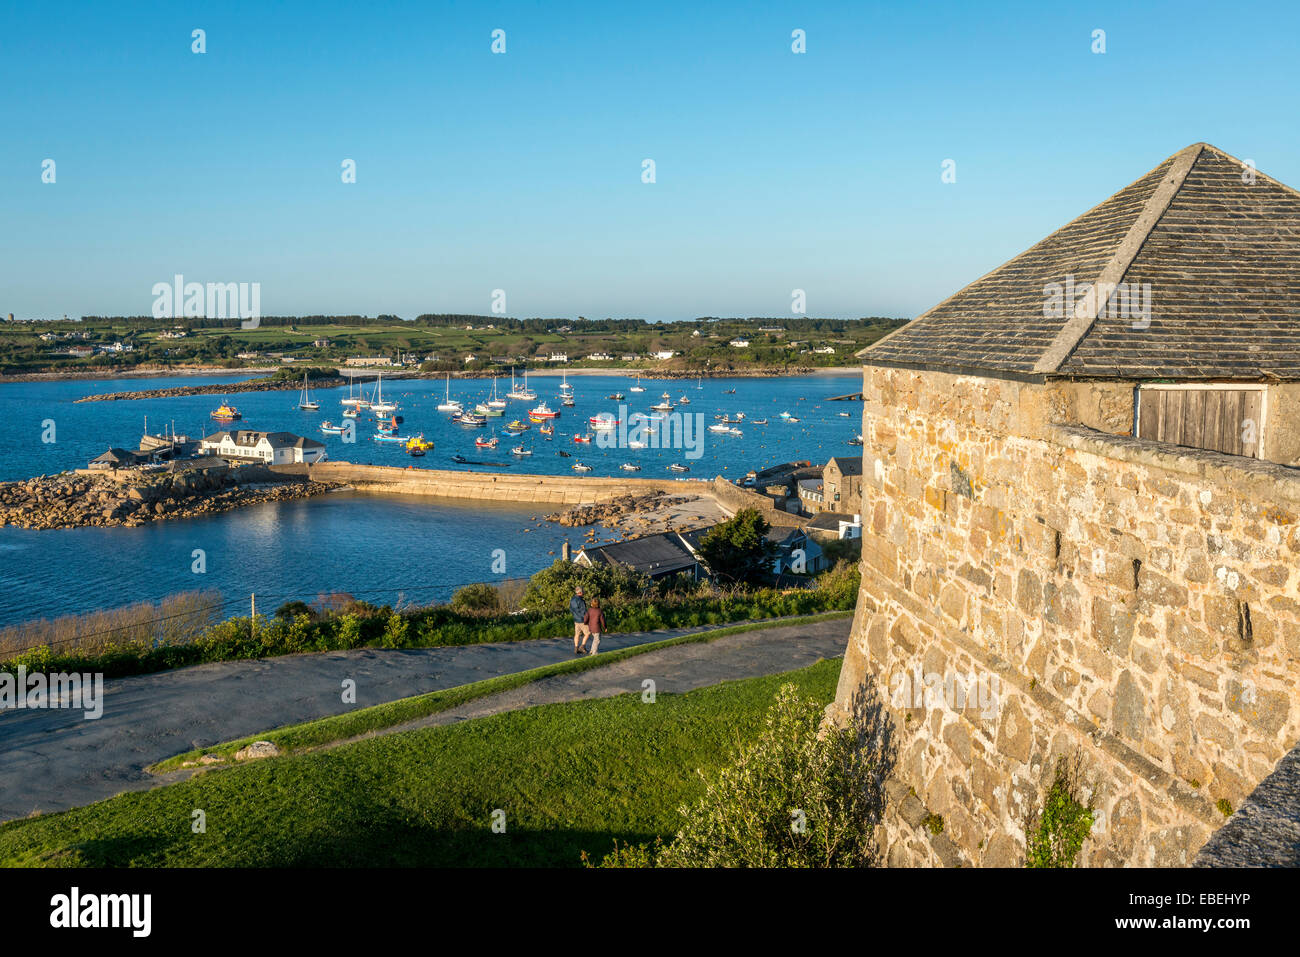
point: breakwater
(490, 486)
(220, 388)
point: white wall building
(269, 448)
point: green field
(569, 778)
(702, 345)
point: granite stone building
(1081, 526)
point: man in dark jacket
(578, 609)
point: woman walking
(595, 622)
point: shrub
(396, 631)
(799, 796)
(477, 599)
(551, 588)
(1054, 837)
(292, 609)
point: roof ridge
(1087, 311)
(996, 269)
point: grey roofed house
(115, 458)
(847, 464)
(1219, 245)
(657, 555)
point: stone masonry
(1132, 604)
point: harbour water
(383, 549)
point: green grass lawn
(569, 777)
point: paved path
(51, 760)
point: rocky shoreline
(252, 385)
(72, 500)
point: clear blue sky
(522, 171)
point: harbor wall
(490, 486)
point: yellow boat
(226, 413)
(418, 443)
(517, 426)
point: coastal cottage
(658, 556)
(269, 448)
(1081, 527)
(115, 458)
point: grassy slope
(311, 734)
(570, 777)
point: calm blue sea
(380, 548)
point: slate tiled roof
(1222, 259)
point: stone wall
(1131, 605)
(488, 486)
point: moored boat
(226, 413)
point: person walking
(595, 622)
(578, 609)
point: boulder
(258, 749)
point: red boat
(483, 443)
(585, 439)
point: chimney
(564, 552)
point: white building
(270, 448)
(824, 351)
(558, 357)
(740, 343)
(665, 354)
(600, 357)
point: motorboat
(471, 419)
(579, 467)
(485, 443)
(604, 422)
(383, 437)
(719, 428)
(617, 396)
(520, 450)
(758, 421)
(351, 413)
(583, 439)
(517, 426)
(329, 428)
(547, 430)
(568, 400)
(543, 411)
(677, 467)
(418, 445)
(629, 467)
(637, 444)
(226, 413)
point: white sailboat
(351, 400)
(565, 388)
(378, 404)
(496, 402)
(450, 404)
(638, 387)
(306, 402)
(520, 392)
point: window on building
(1220, 418)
